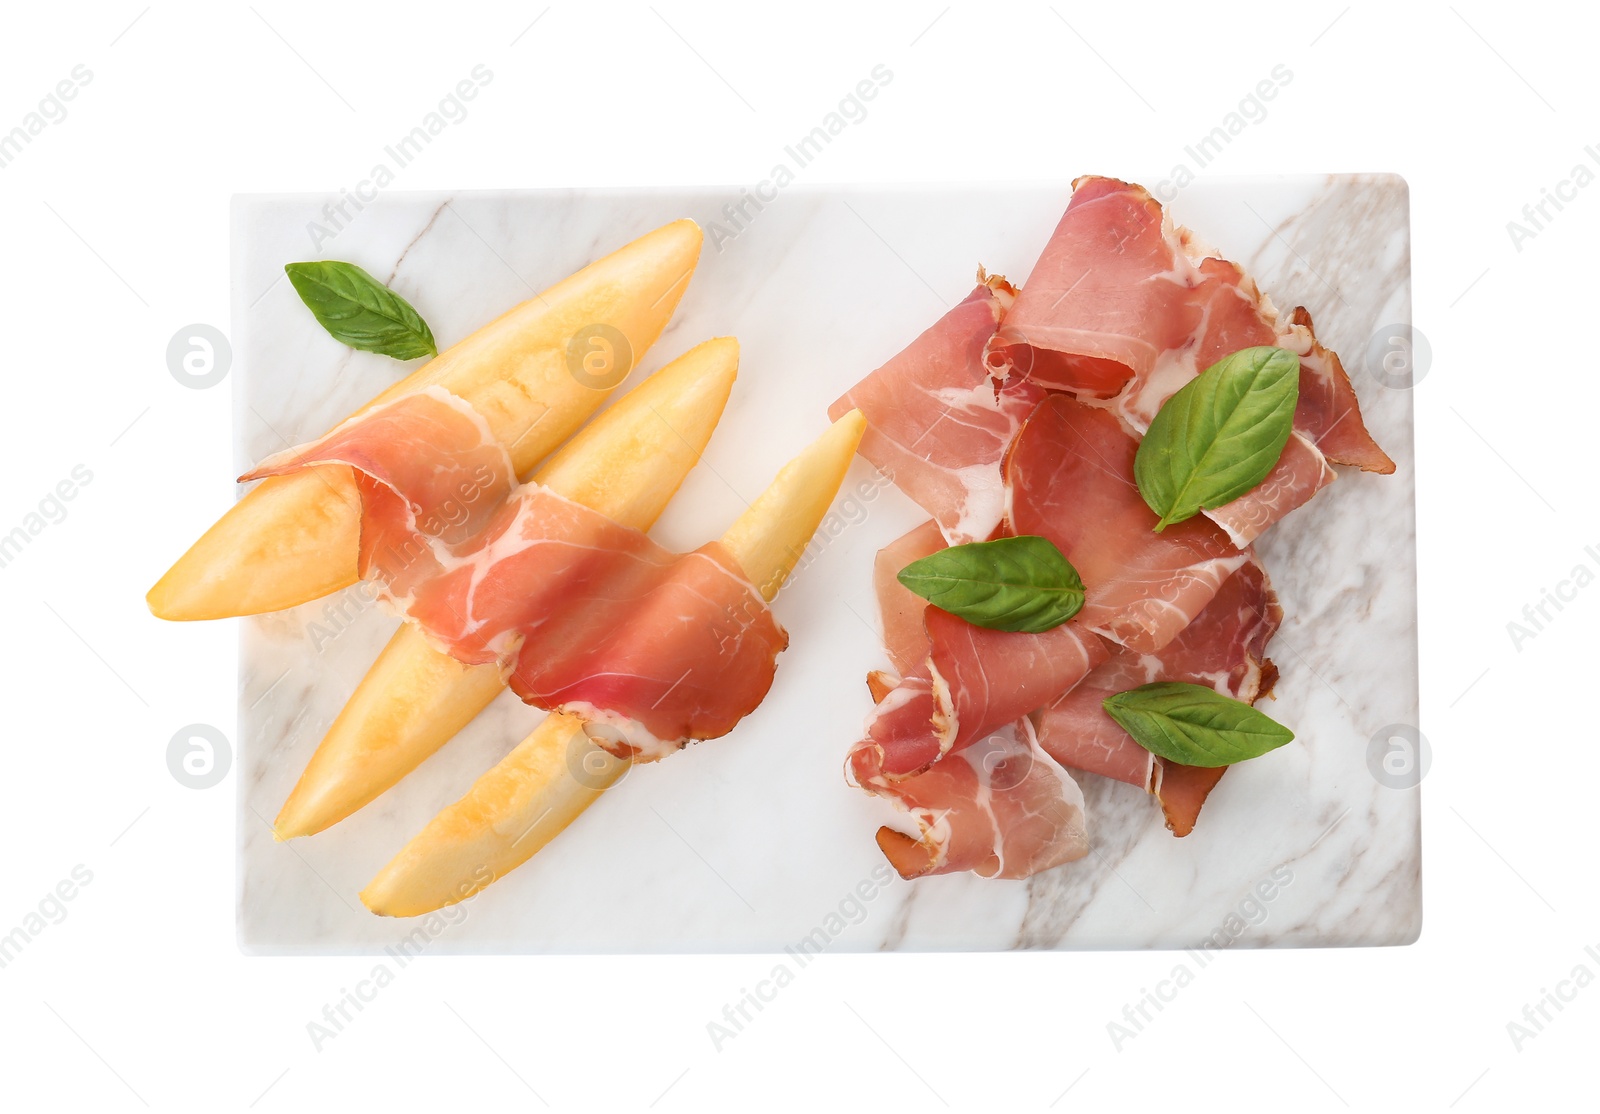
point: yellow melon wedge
(294, 538)
(627, 465)
(558, 771)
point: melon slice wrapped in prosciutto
(583, 614)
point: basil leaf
(360, 311)
(1194, 725)
(1219, 435)
(1011, 584)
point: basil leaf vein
(1219, 435)
(1022, 584)
(1195, 725)
(360, 311)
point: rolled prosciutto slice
(1070, 479)
(1123, 306)
(1001, 808)
(956, 683)
(1224, 648)
(938, 425)
(582, 613)
(899, 731)
(998, 805)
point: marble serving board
(754, 842)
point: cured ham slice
(937, 425)
(984, 679)
(1328, 412)
(1181, 790)
(957, 682)
(899, 608)
(1109, 298)
(1300, 473)
(582, 613)
(900, 740)
(1070, 477)
(1123, 306)
(1001, 808)
(1224, 648)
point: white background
(113, 235)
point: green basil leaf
(360, 311)
(1219, 435)
(1011, 584)
(1194, 725)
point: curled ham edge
(929, 852)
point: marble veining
(753, 842)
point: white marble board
(754, 842)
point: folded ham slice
(1300, 473)
(582, 613)
(957, 683)
(1328, 412)
(900, 735)
(1112, 299)
(995, 804)
(984, 679)
(1001, 808)
(938, 425)
(1124, 306)
(1070, 479)
(1224, 648)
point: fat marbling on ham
(581, 612)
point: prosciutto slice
(1109, 299)
(1302, 471)
(582, 613)
(1001, 808)
(1224, 648)
(1328, 412)
(900, 609)
(899, 732)
(984, 679)
(999, 805)
(1070, 477)
(957, 683)
(937, 425)
(1123, 306)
